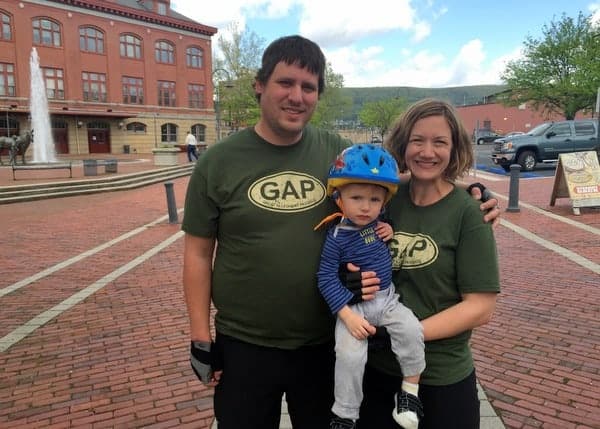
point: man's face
(287, 102)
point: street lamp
(217, 100)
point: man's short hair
(293, 50)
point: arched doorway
(98, 137)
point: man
(191, 143)
(258, 193)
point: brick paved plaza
(93, 328)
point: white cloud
(353, 63)
(338, 23)
(348, 31)
(595, 10)
(422, 69)
(422, 30)
(227, 12)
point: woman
(446, 271)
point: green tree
(333, 103)
(560, 72)
(233, 76)
(381, 114)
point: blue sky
(430, 43)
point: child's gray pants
(406, 335)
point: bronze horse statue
(16, 145)
(7, 143)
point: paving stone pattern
(102, 340)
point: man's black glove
(485, 192)
(380, 340)
(352, 280)
(205, 359)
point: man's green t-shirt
(261, 202)
(440, 252)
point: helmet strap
(338, 200)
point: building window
(94, 86)
(9, 126)
(168, 133)
(166, 93)
(164, 52)
(55, 85)
(161, 8)
(91, 40)
(99, 125)
(46, 32)
(130, 46)
(6, 33)
(133, 90)
(199, 131)
(7, 80)
(194, 56)
(136, 127)
(196, 95)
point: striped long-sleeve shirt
(361, 246)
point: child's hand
(357, 325)
(384, 231)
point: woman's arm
(474, 310)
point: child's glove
(485, 192)
(352, 280)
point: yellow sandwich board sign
(577, 177)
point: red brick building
(120, 74)
(502, 120)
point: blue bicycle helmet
(364, 163)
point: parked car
(485, 136)
(545, 142)
(376, 140)
(514, 133)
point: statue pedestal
(166, 155)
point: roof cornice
(138, 15)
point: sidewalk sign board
(577, 177)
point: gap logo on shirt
(410, 251)
(287, 191)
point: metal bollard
(171, 205)
(513, 195)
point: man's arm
(489, 204)
(197, 272)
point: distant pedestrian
(191, 143)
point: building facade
(504, 119)
(120, 75)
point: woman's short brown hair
(461, 155)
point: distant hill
(458, 96)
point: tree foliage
(332, 102)
(560, 72)
(382, 114)
(233, 76)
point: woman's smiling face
(429, 148)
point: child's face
(362, 202)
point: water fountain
(43, 143)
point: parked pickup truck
(545, 142)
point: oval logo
(288, 191)
(410, 251)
